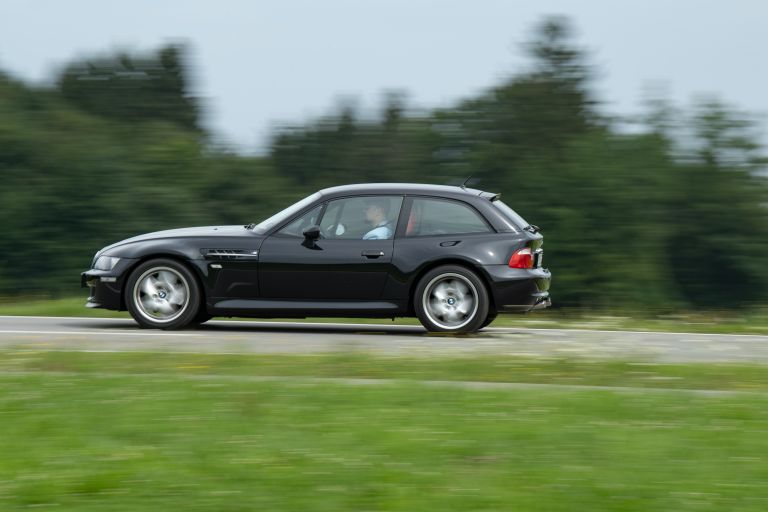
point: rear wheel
(162, 294)
(451, 298)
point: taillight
(522, 258)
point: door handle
(372, 254)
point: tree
(718, 246)
(134, 89)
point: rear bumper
(517, 290)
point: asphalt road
(54, 333)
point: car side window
(361, 218)
(443, 217)
(297, 227)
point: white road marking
(534, 329)
(63, 317)
(101, 333)
(511, 329)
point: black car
(452, 256)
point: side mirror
(312, 233)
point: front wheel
(490, 318)
(202, 316)
(451, 299)
(162, 294)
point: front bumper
(517, 290)
(106, 286)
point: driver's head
(376, 210)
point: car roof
(402, 188)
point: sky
(262, 64)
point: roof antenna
(464, 185)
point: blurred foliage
(132, 89)
(671, 215)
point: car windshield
(280, 217)
(518, 222)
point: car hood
(202, 231)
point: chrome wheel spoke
(465, 307)
(164, 308)
(147, 302)
(148, 287)
(439, 292)
(178, 296)
(461, 288)
(167, 279)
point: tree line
(670, 214)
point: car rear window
(443, 217)
(518, 223)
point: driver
(376, 212)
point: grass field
(126, 432)
(741, 322)
(352, 365)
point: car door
(350, 261)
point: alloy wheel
(161, 294)
(450, 301)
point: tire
(202, 316)
(490, 318)
(163, 294)
(451, 299)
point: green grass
(732, 377)
(86, 441)
(74, 306)
(754, 321)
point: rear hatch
(535, 238)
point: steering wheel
(333, 231)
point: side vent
(229, 254)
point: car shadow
(244, 326)
(314, 327)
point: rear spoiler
(491, 196)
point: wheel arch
(477, 269)
(196, 271)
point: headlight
(105, 263)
